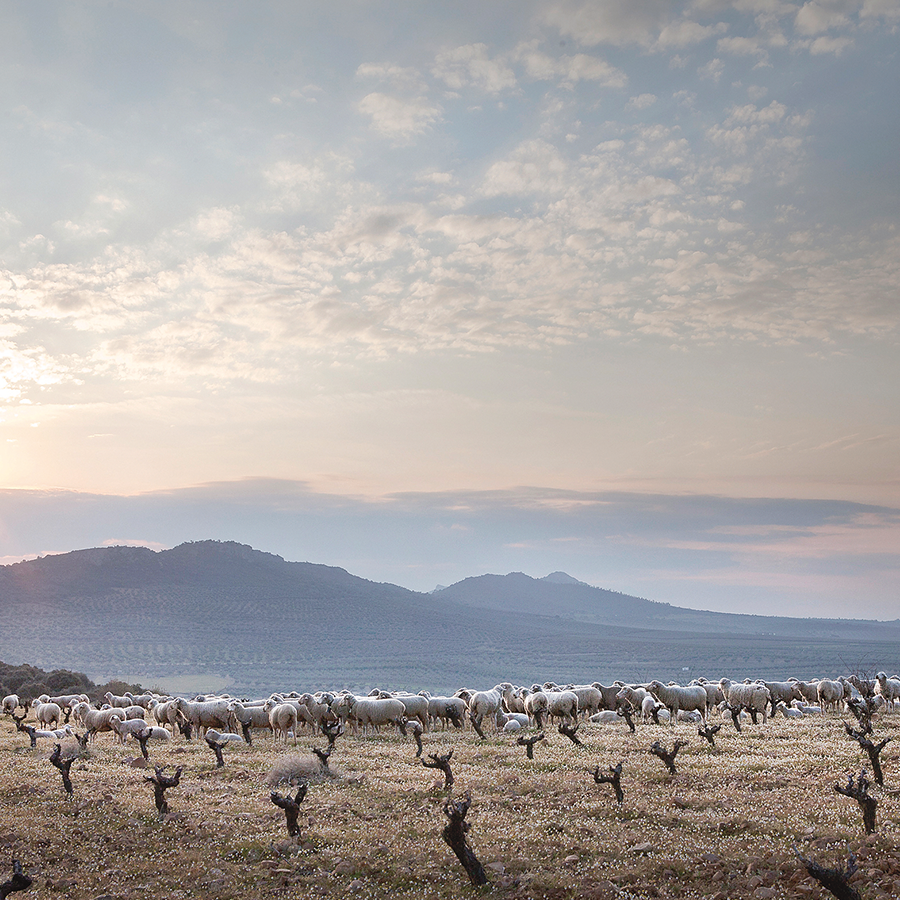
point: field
(725, 826)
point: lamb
(607, 717)
(10, 703)
(889, 688)
(675, 697)
(782, 691)
(789, 712)
(753, 697)
(126, 728)
(223, 737)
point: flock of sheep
(506, 706)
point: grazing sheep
(484, 704)
(753, 697)
(536, 706)
(714, 694)
(126, 728)
(831, 693)
(96, 720)
(563, 705)
(373, 712)
(889, 688)
(48, 714)
(785, 692)
(282, 719)
(10, 703)
(415, 707)
(447, 709)
(590, 699)
(675, 698)
(809, 690)
(203, 714)
(248, 717)
(608, 694)
(635, 697)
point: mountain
(561, 595)
(209, 614)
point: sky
(433, 290)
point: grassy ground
(724, 827)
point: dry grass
(724, 826)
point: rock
(344, 867)
(356, 885)
(497, 867)
(711, 858)
(765, 893)
(642, 848)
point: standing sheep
(675, 698)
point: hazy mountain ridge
(214, 608)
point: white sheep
(203, 714)
(447, 710)
(484, 704)
(831, 693)
(10, 703)
(562, 705)
(675, 697)
(48, 714)
(282, 719)
(753, 697)
(373, 712)
(537, 705)
(789, 712)
(889, 688)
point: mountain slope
(224, 613)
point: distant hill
(214, 613)
(561, 595)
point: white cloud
(642, 101)
(472, 66)
(399, 118)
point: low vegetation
(730, 823)
(30, 682)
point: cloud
(471, 66)
(399, 118)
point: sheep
(121, 700)
(634, 696)
(806, 709)
(126, 728)
(248, 717)
(154, 733)
(536, 705)
(608, 694)
(607, 717)
(67, 701)
(889, 688)
(714, 695)
(415, 706)
(675, 697)
(484, 704)
(10, 703)
(753, 697)
(782, 691)
(95, 720)
(377, 711)
(789, 712)
(563, 705)
(203, 714)
(809, 690)
(831, 693)
(447, 709)
(590, 699)
(282, 719)
(223, 737)
(46, 713)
